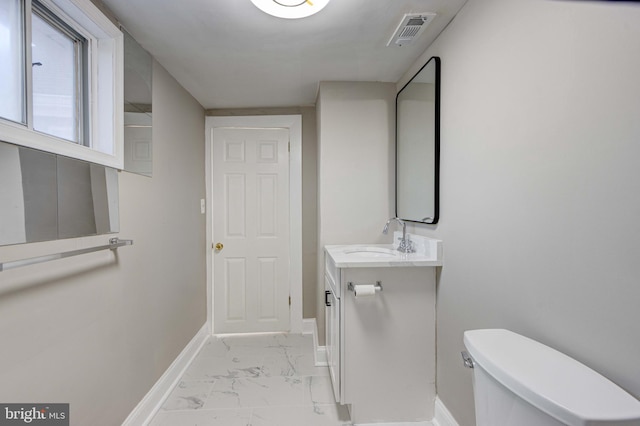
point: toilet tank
(520, 382)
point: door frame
(294, 124)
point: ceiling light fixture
(290, 9)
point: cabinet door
(388, 363)
(332, 336)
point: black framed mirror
(418, 146)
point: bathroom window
(61, 76)
(59, 73)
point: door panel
(235, 282)
(267, 206)
(235, 196)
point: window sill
(20, 135)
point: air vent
(410, 28)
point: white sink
(428, 253)
(371, 252)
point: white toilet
(520, 382)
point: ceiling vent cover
(410, 28)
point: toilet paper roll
(364, 290)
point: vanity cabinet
(332, 333)
(381, 348)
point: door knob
(219, 246)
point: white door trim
(294, 124)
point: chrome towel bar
(114, 243)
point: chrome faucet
(405, 245)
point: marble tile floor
(254, 380)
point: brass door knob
(219, 246)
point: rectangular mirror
(45, 197)
(418, 146)
(138, 74)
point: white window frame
(106, 98)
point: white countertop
(429, 253)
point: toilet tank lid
(550, 380)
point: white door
(251, 230)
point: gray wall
(97, 331)
(540, 181)
(356, 124)
(309, 185)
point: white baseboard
(321, 356)
(442, 415)
(309, 326)
(153, 400)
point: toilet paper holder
(377, 286)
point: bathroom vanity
(380, 341)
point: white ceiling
(229, 54)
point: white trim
(310, 326)
(320, 355)
(143, 413)
(208, 239)
(106, 96)
(294, 124)
(442, 415)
